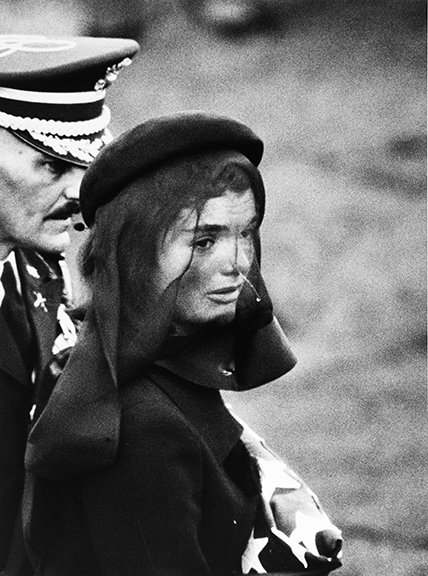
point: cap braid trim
(83, 149)
(57, 127)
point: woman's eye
(249, 233)
(204, 243)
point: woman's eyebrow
(205, 228)
(210, 228)
(220, 227)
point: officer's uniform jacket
(45, 296)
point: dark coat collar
(225, 360)
(205, 359)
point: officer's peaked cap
(52, 91)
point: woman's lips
(225, 295)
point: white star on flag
(275, 476)
(250, 558)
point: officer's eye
(55, 166)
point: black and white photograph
(213, 273)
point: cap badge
(10, 43)
(112, 73)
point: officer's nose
(72, 183)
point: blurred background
(337, 90)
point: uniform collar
(42, 291)
(12, 259)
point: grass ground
(338, 96)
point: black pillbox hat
(52, 91)
(155, 142)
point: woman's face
(220, 248)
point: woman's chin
(227, 317)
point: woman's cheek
(173, 263)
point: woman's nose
(239, 258)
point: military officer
(53, 122)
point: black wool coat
(179, 500)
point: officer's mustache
(68, 210)
(65, 211)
